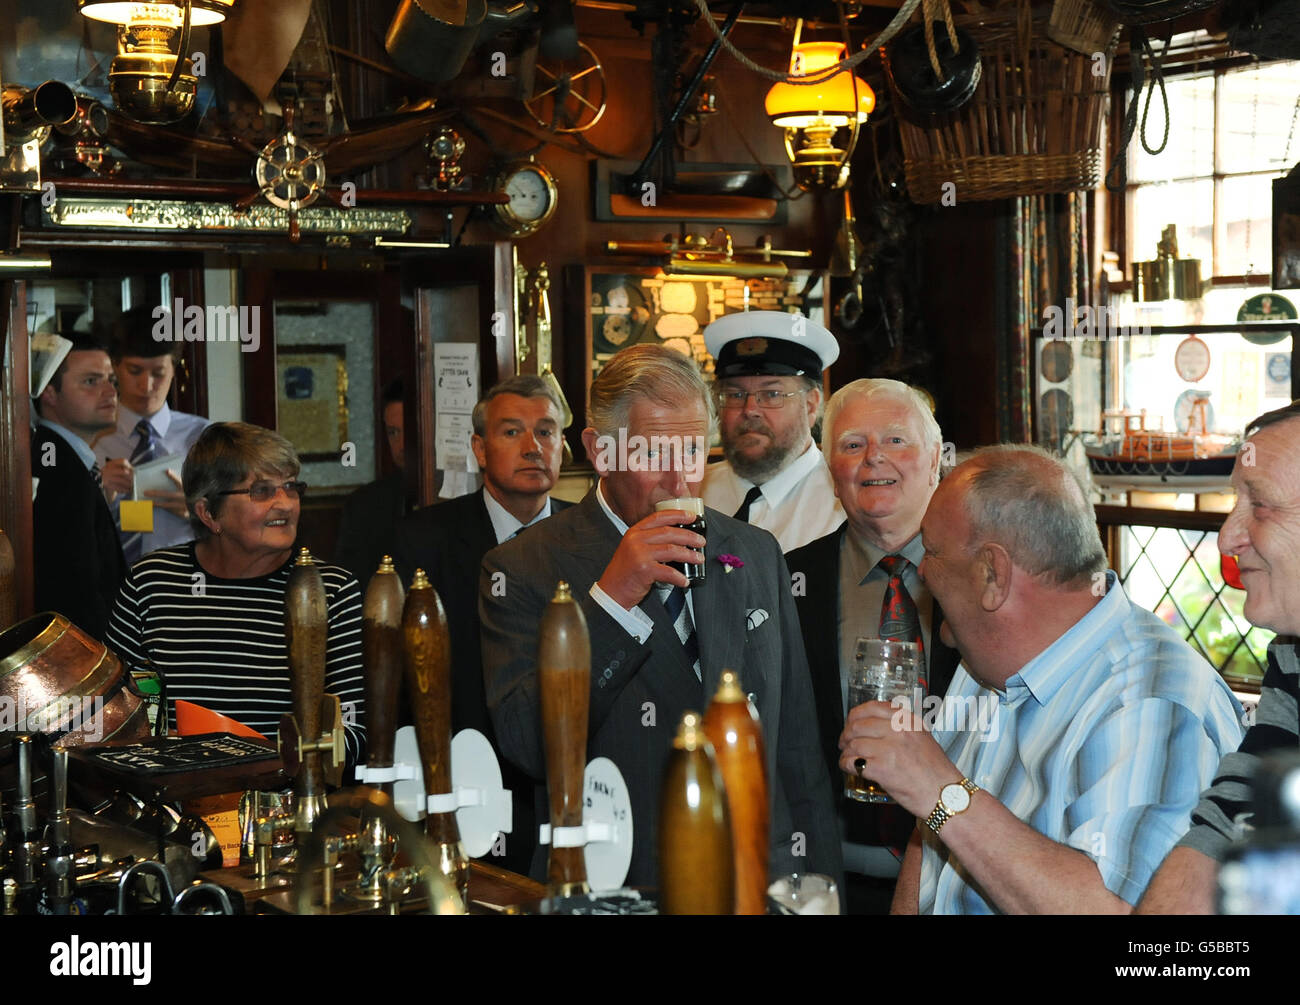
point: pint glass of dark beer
(882, 670)
(693, 571)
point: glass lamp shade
(839, 101)
(124, 12)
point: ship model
(1139, 456)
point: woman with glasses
(209, 614)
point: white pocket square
(755, 618)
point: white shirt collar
(614, 518)
(504, 523)
(127, 420)
(788, 478)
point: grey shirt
(1276, 727)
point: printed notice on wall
(456, 389)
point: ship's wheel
(572, 94)
(290, 173)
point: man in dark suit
(78, 556)
(657, 648)
(884, 449)
(368, 524)
(517, 444)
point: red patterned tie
(899, 618)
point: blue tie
(675, 605)
(146, 450)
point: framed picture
(312, 399)
(615, 307)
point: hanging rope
(1157, 80)
(930, 11)
(1139, 48)
(891, 29)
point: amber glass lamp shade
(839, 101)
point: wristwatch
(953, 799)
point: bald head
(1033, 506)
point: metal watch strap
(940, 815)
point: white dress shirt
(798, 503)
(635, 622)
(504, 523)
(176, 432)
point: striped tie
(147, 449)
(899, 618)
(675, 605)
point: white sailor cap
(750, 343)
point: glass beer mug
(882, 670)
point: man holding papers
(150, 440)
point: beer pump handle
(428, 678)
(732, 726)
(564, 680)
(696, 866)
(306, 625)
(427, 643)
(381, 644)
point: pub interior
(361, 364)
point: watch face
(529, 195)
(955, 798)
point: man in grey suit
(649, 418)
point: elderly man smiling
(1109, 722)
(1263, 531)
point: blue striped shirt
(1102, 742)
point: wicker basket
(1082, 25)
(1032, 128)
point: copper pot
(56, 679)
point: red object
(1231, 574)
(195, 720)
(899, 618)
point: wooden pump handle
(381, 648)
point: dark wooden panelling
(15, 438)
(959, 256)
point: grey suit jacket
(639, 691)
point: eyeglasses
(770, 399)
(261, 492)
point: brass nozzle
(729, 689)
(690, 734)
